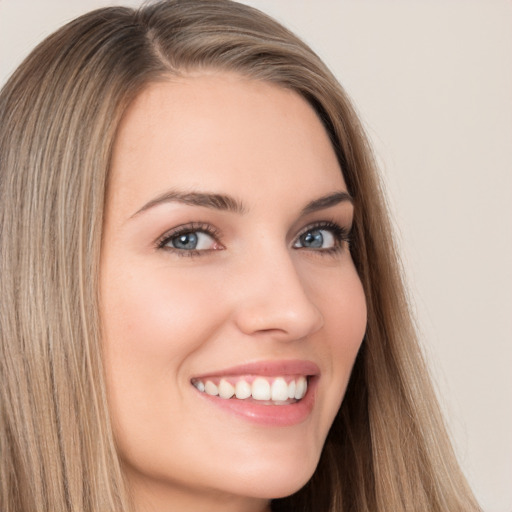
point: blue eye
(325, 237)
(190, 239)
(316, 239)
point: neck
(161, 498)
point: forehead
(224, 133)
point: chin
(277, 477)
(281, 487)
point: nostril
(289, 322)
(274, 300)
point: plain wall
(432, 81)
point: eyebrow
(327, 201)
(224, 202)
(215, 201)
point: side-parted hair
(387, 450)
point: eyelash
(192, 227)
(341, 234)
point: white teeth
(211, 388)
(199, 385)
(279, 390)
(226, 390)
(291, 389)
(243, 390)
(301, 388)
(260, 389)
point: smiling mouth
(279, 390)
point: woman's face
(225, 269)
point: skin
(255, 293)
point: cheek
(344, 309)
(151, 327)
(150, 314)
(351, 313)
(342, 302)
(349, 317)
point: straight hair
(387, 450)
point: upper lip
(270, 368)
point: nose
(274, 300)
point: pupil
(185, 241)
(313, 239)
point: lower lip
(269, 415)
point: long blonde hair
(59, 113)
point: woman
(197, 270)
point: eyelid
(340, 232)
(190, 227)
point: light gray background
(433, 82)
